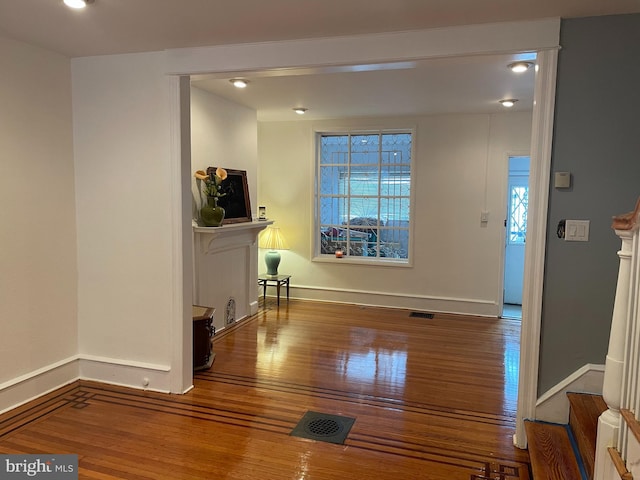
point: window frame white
(362, 260)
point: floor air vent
(323, 427)
(421, 315)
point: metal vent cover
(421, 315)
(323, 427)
(230, 311)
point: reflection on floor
(432, 398)
(512, 311)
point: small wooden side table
(274, 280)
(203, 332)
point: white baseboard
(253, 307)
(426, 303)
(144, 376)
(553, 406)
(26, 388)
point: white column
(609, 421)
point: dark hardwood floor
(432, 399)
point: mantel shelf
(231, 228)
(234, 235)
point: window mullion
(379, 193)
(348, 213)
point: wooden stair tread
(583, 418)
(551, 453)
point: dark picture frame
(236, 202)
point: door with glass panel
(516, 225)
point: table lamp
(273, 241)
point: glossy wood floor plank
(432, 398)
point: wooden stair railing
(621, 468)
(622, 369)
(614, 391)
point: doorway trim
(541, 36)
(179, 94)
(539, 177)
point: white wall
(38, 317)
(461, 168)
(223, 134)
(124, 201)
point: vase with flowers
(210, 183)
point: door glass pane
(518, 203)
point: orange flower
(212, 181)
(201, 175)
(221, 172)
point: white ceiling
(435, 86)
(444, 85)
(125, 26)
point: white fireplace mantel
(228, 236)
(226, 269)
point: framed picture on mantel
(236, 203)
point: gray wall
(597, 139)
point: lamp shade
(272, 240)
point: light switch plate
(577, 231)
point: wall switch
(577, 231)
(484, 216)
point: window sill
(364, 261)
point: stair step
(583, 420)
(551, 452)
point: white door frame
(541, 36)
(539, 177)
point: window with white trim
(363, 192)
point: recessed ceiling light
(77, 3)
(300, 110)
(519, 67)
(239, 82)
(508, 102)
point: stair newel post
(618, 352)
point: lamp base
(272, 259)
